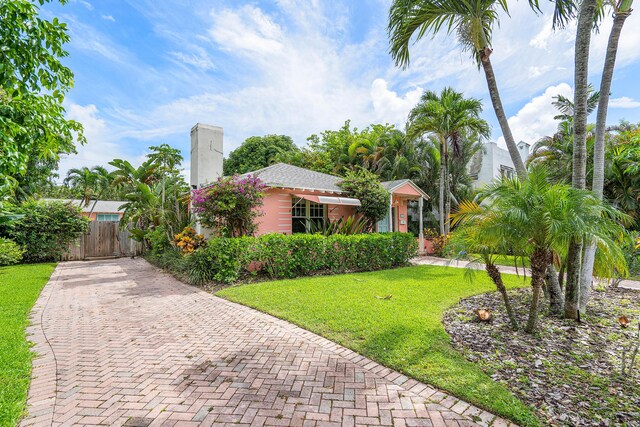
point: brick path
(121, 343)
(446, 262)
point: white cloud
(535, 119)
(109, 18)
(296, 80)
(101, 145)
(389, 106)
(623, 102)
(198, 58)
(84, 3)
(247, 29)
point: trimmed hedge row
(282, 256)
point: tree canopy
(257, 152)
(33, 84)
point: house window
(107, 217)
(507, 172)
(306, 215)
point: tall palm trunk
(500, 114)
(447, 189)
(539, 263)
(586, 275)
(443, 172)
(583, 41)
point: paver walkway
(431, 260)
(122, 343)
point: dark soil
(570, 372)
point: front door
(383, 224)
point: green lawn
(404, 333)
(19, 288)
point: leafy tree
(449, 117)
(374, 199)
(33, 84)
(257, 152)
(45, 229)
(472, 21)
(539, 219)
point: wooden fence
(104, 239)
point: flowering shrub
(188, 240)
(229, 205)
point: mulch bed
(569, 372)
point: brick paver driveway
(121, 343)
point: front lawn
(404, 332)
(19, 288)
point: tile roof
(288, 176)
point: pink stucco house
(296, 197)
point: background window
(108, 217)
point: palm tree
(91, 182)
(472, 21)
(621, 11)
(449, 117)
(539, 219)
(586, 17)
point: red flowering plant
(228, 206)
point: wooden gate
(104, 239)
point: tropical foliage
(228, 206)
(538, 220)
(449, 119)
(374, 199)
(34, 129)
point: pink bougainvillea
(228, 206)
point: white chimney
(206, 154)
(523, 147)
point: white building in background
(494, 162)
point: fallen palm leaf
(387, 297)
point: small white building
(493, 162)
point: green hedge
(281, 256)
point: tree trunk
(495, 276)
(500, 114)
(572, 288)
(447, 192)
(556, 300)
(539, 263)
(442, 185)
(586, 276)
(581, 93)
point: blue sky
(146, 71)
